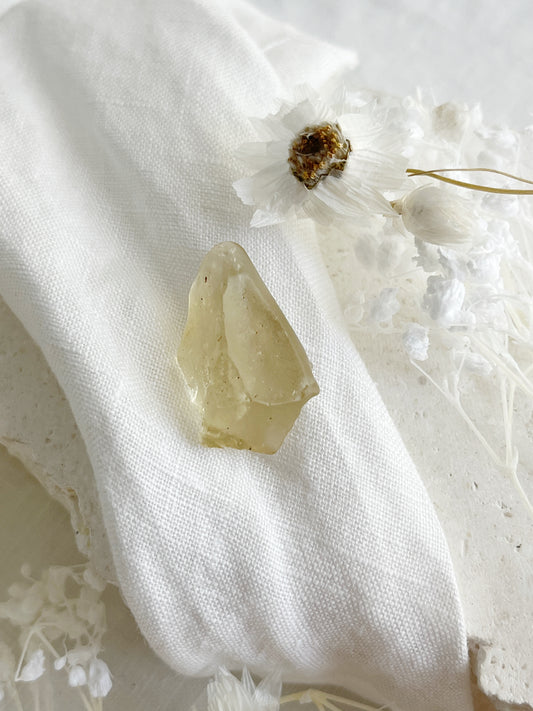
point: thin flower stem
(413, 172)
(292, 697)
(36, 701)
(523, 495)
(455, 401)
(353, 704)
(470, 170)
(16, 698)
(88, 705)
(516, 377)
(474, 429)
(323, 699)
(510, 467)
(507, 408)
(23, 653)
(511, 457)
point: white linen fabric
(118, 124)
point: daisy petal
(350, 201)
(306, 114)
(377, 170)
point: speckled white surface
(37, 427)
(487, 526)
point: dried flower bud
(436, 215)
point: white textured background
(466, 50)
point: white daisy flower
(320, 162)
(226, 693)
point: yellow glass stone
(246, 369)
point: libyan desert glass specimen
(245, 367)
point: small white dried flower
(99, 679)
(384, 306)
(436, 215)
(416, 341)
(62, 615)
(60, 662)
(34, 668)
(77, 676)
(444, 299)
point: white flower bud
(438, 216)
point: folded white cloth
(118, 124)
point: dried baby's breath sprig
(58, 616)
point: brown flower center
(318, 151)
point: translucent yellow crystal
(245, 367)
